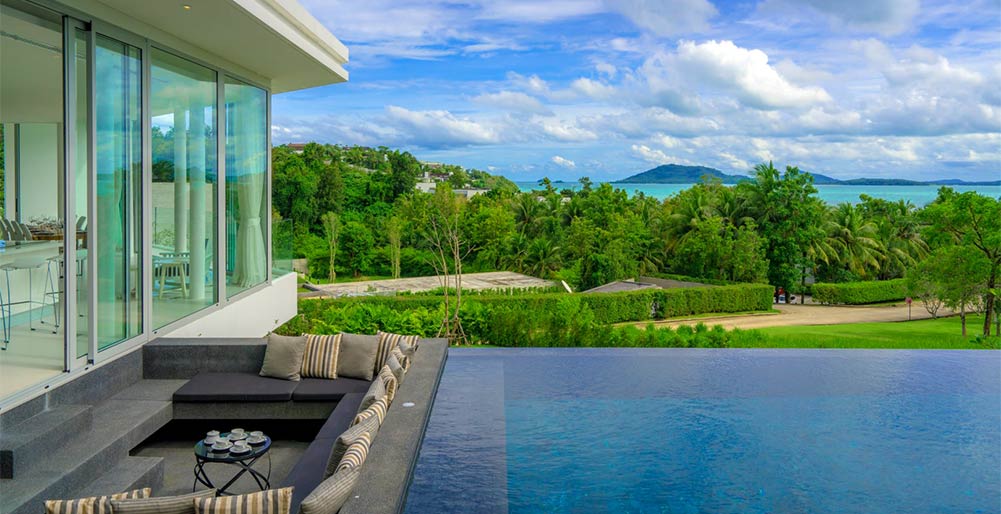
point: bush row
(858, 293)
(547, 319)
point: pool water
(690, 430)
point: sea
(832, 194)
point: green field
(943, 333)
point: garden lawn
(942, 333)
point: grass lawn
(942, 333)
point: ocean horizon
(919, 195)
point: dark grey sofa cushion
(283, 357)
(309, 470)
(234, 387)
(340, 419)
(325, 390)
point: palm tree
(854, 239)
(527, 212)
(542, 258)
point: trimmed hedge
(860, 293)
(541, 319)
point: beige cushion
(389, 379)
(377, 409)
(320, 357)
(331, 494)
(283, 357)
(357, 356)
(403, 359)
(272, 501)
(356, 454)
(182, 504)
(375, 391)
(396, 368)
(92, 504)
(369, 426)
(406, 344)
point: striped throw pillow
(272, 501)
(403, 359)
(396, 368)
(389, 379)
(331, 494)
(375, 391)
(406, 344)
(377, 409)
(93, 504)
(183, 504)
(320, 359)
(368, 426)
(356, 454)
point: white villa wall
(251, 316)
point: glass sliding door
(246, 185)
(32, 179)
(117, 190)
(81, 171)
(183, 103)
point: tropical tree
(972, 222)
(332, 229)
(853, 239)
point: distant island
(681, 174)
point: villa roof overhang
(277, 40)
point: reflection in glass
(31, 226)
(183, 101)
(118, 87)
(246, 176)
(81, 171)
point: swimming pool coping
(389, 468)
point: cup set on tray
(235, 441)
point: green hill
(679, 174)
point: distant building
(296, 147)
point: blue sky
(608, 88)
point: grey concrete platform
(22, 444)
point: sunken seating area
(223, 381)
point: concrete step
(117, 427)
(131, 473)
(22, 445)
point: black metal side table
(204, 454)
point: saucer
(237, 437)
(253, 441)
(217, 448)
(237, 451)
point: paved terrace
(491, 280)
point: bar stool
(29, 265)
(51, 289)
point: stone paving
(491, 280)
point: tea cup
(257, 434)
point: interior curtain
(251, 165)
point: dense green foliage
(964, 233)
(860, 293)
(540, 319)
(771, 228)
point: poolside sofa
(242, 393)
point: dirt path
(811, 315)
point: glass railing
(282, 247)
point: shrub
(539, 319)
(859, 293)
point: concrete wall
(251, 316)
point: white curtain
(250, 128)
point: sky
(609, 88)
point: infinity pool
(686, 430)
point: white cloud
(563, 162)
(651, 155)
(886, 17)
(747, 74)
(563, 130)
(512, 101)
(667, 17)
(533, 11)
(593, 88)
(434, 128)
